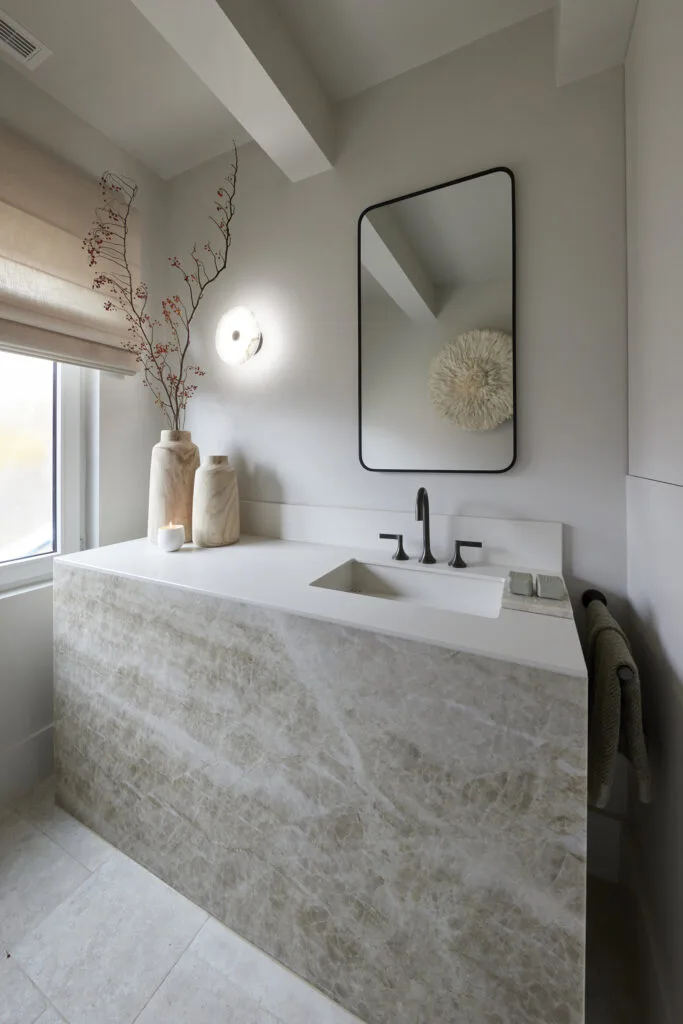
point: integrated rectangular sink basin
(454, 592)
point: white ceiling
(591, 36)
(462, 234)
(113, 70)
(352, 45)
(449, 238)
(162, 78)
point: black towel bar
(592, 595)
(624, 672)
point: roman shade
(47, 306)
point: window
(40, 466)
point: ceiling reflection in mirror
(437, 329)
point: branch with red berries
(159, 344)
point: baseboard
(26, 764)
(660, 1010)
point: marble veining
(279, 574)
(400, 824)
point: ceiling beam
(591, 36)
(394, 264)
(243, 53)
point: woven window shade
(47, 306)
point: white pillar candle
(171, 537)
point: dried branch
(166, 372)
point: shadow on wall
(662, 705)
(654, 864)
(256, 478)
(576, 585)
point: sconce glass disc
(238, 336)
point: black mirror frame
(412, 195)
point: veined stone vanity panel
(401, 824)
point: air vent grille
(20, 44)
(23, 46)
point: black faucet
(457, 561)
(422, 516)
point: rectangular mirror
(436, 283)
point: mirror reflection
(437, 311)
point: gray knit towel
(616, 716)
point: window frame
(68, 483)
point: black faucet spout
(422, 516)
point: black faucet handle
(457, 561)
(399, 554)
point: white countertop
(278, 574)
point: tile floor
(89, 937)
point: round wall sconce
(238, 336)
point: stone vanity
(390, 802)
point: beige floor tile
(20, 1001)
(86, 847)
(282, 993)
(196, 992)
(36, 875)
(101, 955)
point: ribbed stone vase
(216, 510)
(171, 482)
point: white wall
(654, 857)
(128, 428)
(125, 428)
(654, 86)
(654, 154)
(25, 690)
(289, 416)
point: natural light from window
(26, 456)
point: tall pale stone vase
(175, 460)
(216, 514)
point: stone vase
(171, 482)
(216, 509)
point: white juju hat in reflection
(470, 380)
